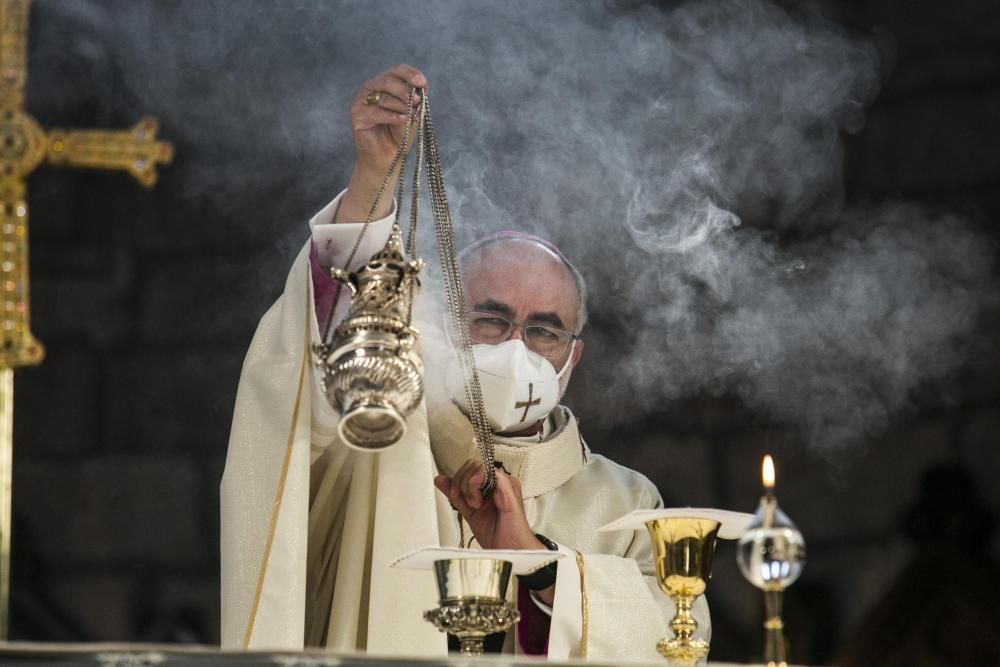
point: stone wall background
(146, 301)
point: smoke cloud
(686, 156)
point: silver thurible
(370, 370)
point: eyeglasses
(492, 329)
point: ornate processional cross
(23, 146)
(528, 403)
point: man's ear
(577, 352)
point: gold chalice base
(684, 651)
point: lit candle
(771, 554)
(768, 503)
(767, 473)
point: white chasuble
(367, 509)
(309, 527)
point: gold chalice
(472, 594)
(683, 546)
(683, 549)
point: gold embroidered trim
(584, 606)
(281, 484)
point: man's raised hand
(498, 521)
(377, 130)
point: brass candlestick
(683, 549)
(472, 603)
(771, 555)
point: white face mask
(519, 386)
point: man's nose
(517, 333)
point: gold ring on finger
(373, 98)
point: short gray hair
(578, 281)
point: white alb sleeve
(334, 241)
(546, 609)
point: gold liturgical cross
(23, 146)
(528, 403)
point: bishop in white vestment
(310, 526)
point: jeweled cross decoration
(528, 403)
(24, 145)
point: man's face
(525, 282)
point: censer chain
(455, 298)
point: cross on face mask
(519, 386)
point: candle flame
(767, 472)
